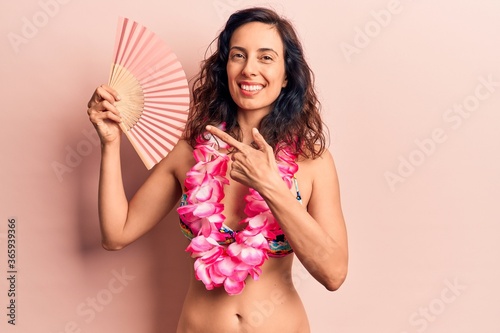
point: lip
(250, 92)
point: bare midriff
(268, 305)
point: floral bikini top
(278, 247)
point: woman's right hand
(104, 115)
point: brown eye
(237, 56)
(267, 58)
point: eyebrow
(262, 49)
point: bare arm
(122, 222)
(317, 235)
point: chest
(235, 193)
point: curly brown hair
(295, 118)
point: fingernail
(208, 127)
(118, 97)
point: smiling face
(256, 67)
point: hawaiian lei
(218, 265)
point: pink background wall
(411, 95)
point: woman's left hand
(250, 166)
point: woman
(239, 188)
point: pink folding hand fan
(153, 89)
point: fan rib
(153, 88)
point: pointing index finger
(225, 137)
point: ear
(285, 82)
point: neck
(248, 120)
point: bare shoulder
(179, 160)
(181, 149)
(314, 173)
(320, 164)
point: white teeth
(251, 88)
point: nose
(250, 68)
